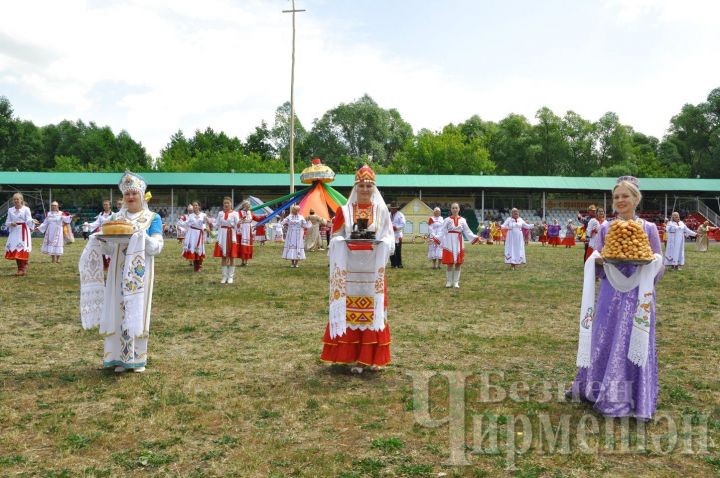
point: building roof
(404, 181)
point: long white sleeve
(43, 227)
(468, 232)
(154, 244)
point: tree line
(350, 134)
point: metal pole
(111, 200)
(666, 205)
(172, 202)
(50, 198)
(232, 196)
(605, 202)
(292, 100)
(482, 204)
(544, 211)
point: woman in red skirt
(226, 247)
(569, 239)
(554, 233)
(357, 332)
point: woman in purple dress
(618, 369)
(554, 233)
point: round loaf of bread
(112, 228)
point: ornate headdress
(131, 181)
(365, 175)
(631, 179)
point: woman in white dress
(703, 236)
(515, 243)
(226, 247)
(182, 225)
(121, 306)
(278, 233)
(194, 247)
(101, 219)
(453, 250)
(20, 224)
(435, 224)
(52, 227)
(676, 231)
(294, 249)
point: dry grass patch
(234, 386)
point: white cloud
(688, 12)
(152, 67)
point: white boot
(456, 278)
(448, 276)
(231, 274)
(224, 274)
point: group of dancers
(616, 357)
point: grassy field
(234, 385)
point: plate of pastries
(627, 243)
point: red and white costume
(194, 246)
(20, 224)
(225, 224)
(435, 225)
(451, 240)
(593, 234)
(181, 229)
(52, 227)
(101, 219)
(358, 329)
(260, 234)
(245, 234)
(569, 239)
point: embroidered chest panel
(142, 221)
(363, 213)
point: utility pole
(292, 100)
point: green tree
(613, 141)
(176, 155)
(358, 130)
(552, 154)
(579, 136)
(510, 149)
(695, 133)
(260, 142)
(447, 152)
(280, 135)
(8, 134)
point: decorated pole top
(317, 172)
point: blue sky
(152, 67)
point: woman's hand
(599, 261)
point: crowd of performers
(616, 357)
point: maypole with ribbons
(319, 196)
